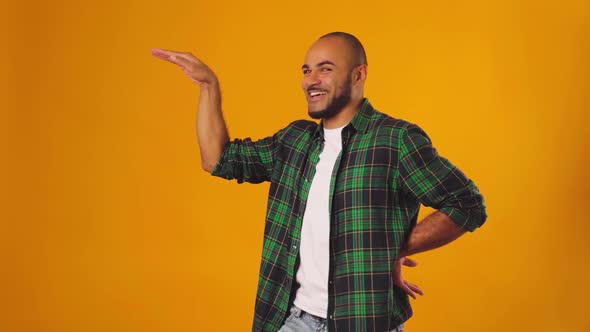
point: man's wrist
(212, 83)
(402, 252)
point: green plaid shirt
(387, 167)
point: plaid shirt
(387, 167)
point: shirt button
(331, 317)
(330, 282)
(294, 248)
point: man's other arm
(436, 182)
(432, 232)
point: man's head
(334, 74)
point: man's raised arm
(211, 129)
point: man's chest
(363, 175)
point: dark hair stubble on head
(338, 103)
(355, 44)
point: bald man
(344, 197)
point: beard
(336, 105)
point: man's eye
(326, 69)
(306, 71)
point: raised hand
(194, 68)
(407, 286)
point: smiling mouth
(315, 95)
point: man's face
(327, 77)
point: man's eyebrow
(327, 62)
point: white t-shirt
(312, 275)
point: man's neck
(344, 116)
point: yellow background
(108, 222)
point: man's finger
(409, 291)
(181, 61)
(167, 55)
(188, 56)
(414, 288)
(164, 51)
(409, 262)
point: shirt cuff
(468, 219)
(223, 168)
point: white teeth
(316, 93)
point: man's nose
(312, 79)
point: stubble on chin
(336, 105)
(317, 114)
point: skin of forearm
(432, 232)
(211, 129)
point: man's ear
(360, 74)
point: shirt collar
(362, 119)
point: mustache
(316, 88)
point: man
(344, 197)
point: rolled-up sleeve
(437, 183)
(247, 161)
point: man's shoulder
(299, 126)
(297, 130)
(302, 125)
(383, 122)
(401, 131)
